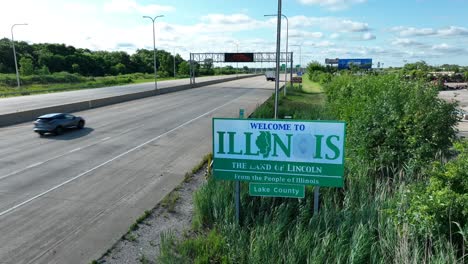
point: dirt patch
(173, 213)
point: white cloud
(445, 48)
(333, 5)
(453, 31)
(294, 33)
(319, 44)
(416, 32)
(411, 32)
(129, 6)
(404, 42)
(353, 26)
(227, 19)
(368, 36)
(329, 23)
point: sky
(392, 32)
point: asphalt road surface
(23, 103)
(68, 198)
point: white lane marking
(42, 162)
(47, 160)
(34, 165)
(61, 155)
(109, 161)
(73, 150)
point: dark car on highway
(57, 123)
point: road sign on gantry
(279, 151)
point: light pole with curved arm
(287, 38)
(14, 52)
(154, 52)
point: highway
(23, 103)
(68, 198)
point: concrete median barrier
(30, 115)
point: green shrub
(352, 227)
(320, 77)
(441, 204)
(391, 122)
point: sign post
(316, 199)
(237, 187)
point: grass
(353, 225)
(143, 259)
(39, 84)
(86, 83)
(130, 237)
(170, 201)
(139, 220)
(309, 86)
(296, 104)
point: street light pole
(278, 52)
(154, 52)
(14, 52)
(287, 39)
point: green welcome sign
(279, 151)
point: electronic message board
(238, 57)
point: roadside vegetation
(50, 67)
(64, 81)
(405, 198)
(309, 86)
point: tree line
(417, 70)
(46, 58)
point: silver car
(57, 123)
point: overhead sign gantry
(244, 57)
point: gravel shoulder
(173, 214)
